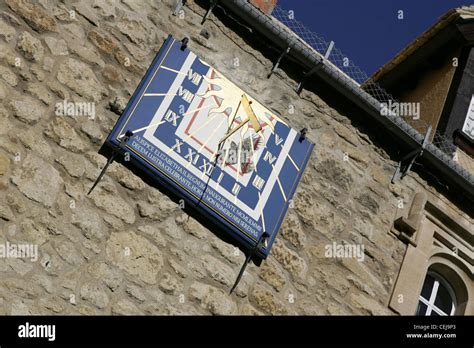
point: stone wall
(127, 248)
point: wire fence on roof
(460, 160)
(336, 57)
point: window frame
(438, 244)
(430, 303)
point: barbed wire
(347, 67)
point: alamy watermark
(402, 109)
(341, 251)
(28, 330)
(75, 109)
(19, 251)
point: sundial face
(214, 144)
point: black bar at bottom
(291, 330)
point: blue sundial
(213, 144)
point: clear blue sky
(369, 31)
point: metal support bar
(211, 7)
(116, 151)
(305, 77)
(261, 242)
(403, 168)
(179, 6)
(329, 50)
(313, 70)
(277, 63)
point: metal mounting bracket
(277, 63)
(299, 89)
(124, 138)
(303, 133)
(179, 5)
(405, 164)
(184, 43)
(208, 12)
(261, 242)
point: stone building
(416, 233)
(436, 70)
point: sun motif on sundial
(231, 97)
(245, 117)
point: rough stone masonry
(129, 249)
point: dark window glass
(427, 287)
(435, 301)
(421, 309)
(444, 300)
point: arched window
(437, 296)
